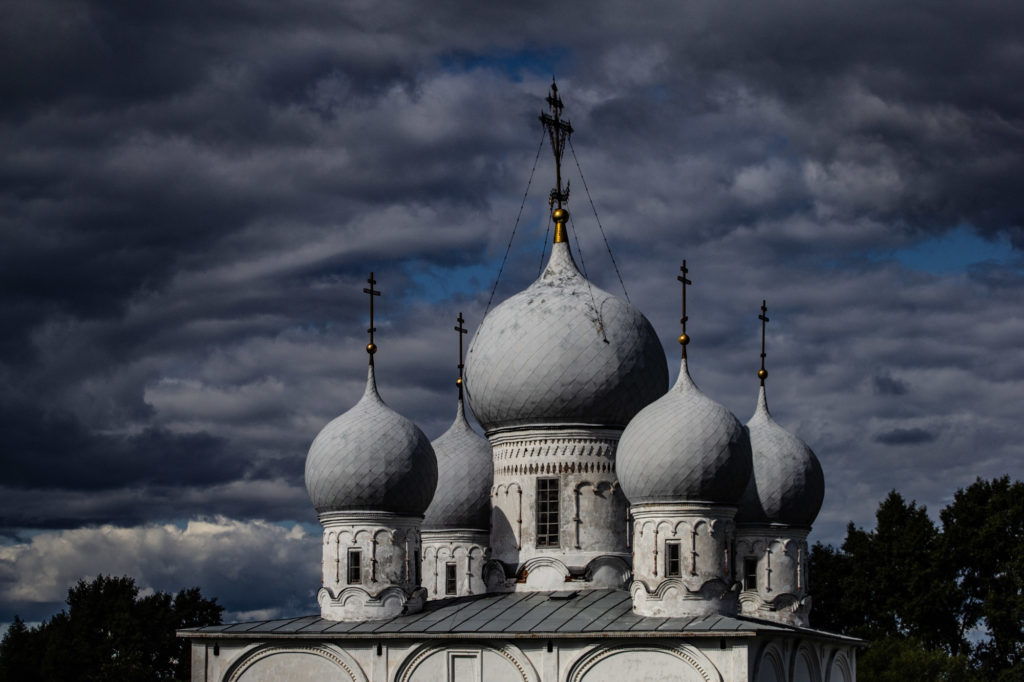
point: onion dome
(787, 484)
(684, 447)
(563, 351)
(464, 476)
(371, 459)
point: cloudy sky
(192, 195)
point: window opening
(672, 567)
(450, 586)
(547, 512)
(355, 571)
(750, 573)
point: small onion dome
(371, 459)
(563, 351)
(684, 447)
(465, 474)
(787, 484)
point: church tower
(370, 474)
(684, 462)
(553, 375)
(780, 503)
(456, 537)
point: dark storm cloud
(884, 384)
(192, 195)
(905, 437)
(41, 443)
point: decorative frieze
(773, 560)
(454, 562)
(681, 559)
(370, 566)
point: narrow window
(449, 578)
(355, 572)
(750, 573)
(672, 567)
(547, 512)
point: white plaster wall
(390, 549)
(592, 508)
(705, 534)
(700, 659)
(781, 554)
(467, 549)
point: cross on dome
(762, 373)
(371, 347)
(684, 338)
(558, 133)
(462, 331)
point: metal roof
(516, 615)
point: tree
(983, 532)
(888, 582)
(936, 603)
(108, 632)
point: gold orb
(684, 339)
(458, 382)
(560, 215)
(762, 374)
(371, 348)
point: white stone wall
(592, 548)
(389, 569)
(593, 659)
(704, 534)
(781, 554)
(465, 548)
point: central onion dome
(465, 472)
(787, 484)
(684, 447)
(371, 459)
(563, 351)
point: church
(605, 527)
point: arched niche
(839, 670)
(649, 662)
(466, 662)
(770, 667)
(805, 666)
(296, 664)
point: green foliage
(936, 603)
(896, 659)
(108, 632)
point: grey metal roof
(684, 447)
(563, 351)
(371, 458)
(516, 615)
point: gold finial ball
(371, 348)
(762, 374)
(458, 382)
(684, 339)
(560, 215)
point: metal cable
(599, 226)
(544, 245)
(514, 227)
(590, 288)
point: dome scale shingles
(465, 473)
(684, 447)
(563, 351)
(371, 459)
(787, 484)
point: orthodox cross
(558, 133)
(762, 373)
(461, 330)
(684, 338)
(371, 347)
